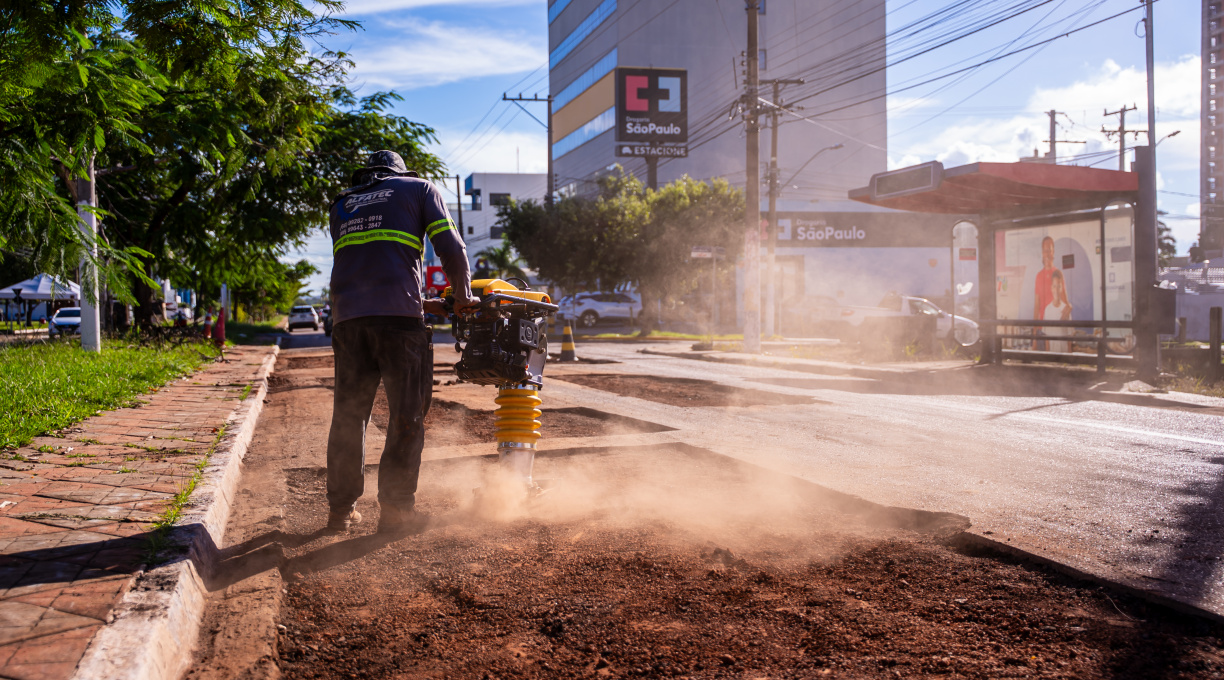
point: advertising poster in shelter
(1054, 273)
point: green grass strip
(159, 536)
(48, 386)
(248, 329)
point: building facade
(822, 43)
(485, 192)
(1211, 172)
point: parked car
(66, 321)
(588, 309)
(303, 316)
(821, 314)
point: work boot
(396, 520)
(342, 520)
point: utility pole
(1053, 140)
(1147, 345)
(1121, 133)
(771, 276)
(752, 191)
(459, 193)
(551, 181)
(91, 331)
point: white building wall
(479, 213)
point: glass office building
(838, 48)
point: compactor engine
(503, 343)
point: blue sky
(452, 59)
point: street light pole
(771, 275)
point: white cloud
(365, 7)
(1008, 137)
(432, 53)
(505, 152)
(1177, 90)
(984, 138)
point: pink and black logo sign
(652, 105)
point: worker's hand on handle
(465, 302)
(436, 307)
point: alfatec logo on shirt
(357, 201)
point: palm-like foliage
(502, 262)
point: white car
(303, 316)
(66, 321)
(589, 309)
(823, 314)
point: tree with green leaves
(218, 136)
(209, 220)
(626, 234)
(1166, 243)
(270, 290)
(501, 262)
(683, 214)
(581, 242)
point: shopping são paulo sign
(652, 105)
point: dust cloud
(682, 496)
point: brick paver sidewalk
(76, 511)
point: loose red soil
(658, 564)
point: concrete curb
(153, 630)
(808, 366)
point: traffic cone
(567, 344)
(219, 330)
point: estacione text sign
(652, 105)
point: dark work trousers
(397, 350)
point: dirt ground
(687, 567)
(668, 561)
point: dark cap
(387, 161)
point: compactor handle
(494, 300)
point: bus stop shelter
(1065, 270)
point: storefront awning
(993, 188)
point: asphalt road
(304, 338)
(1133, 492)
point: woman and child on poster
(1050, 300)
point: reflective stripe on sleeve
(438, 227)
(377, 235)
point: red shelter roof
(996, 187)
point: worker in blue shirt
(378, 230)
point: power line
(952, 73)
